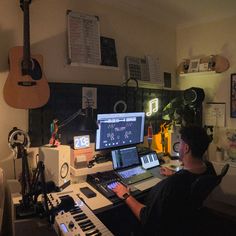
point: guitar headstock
(22, 3)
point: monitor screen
(124, 157)
(119, 129)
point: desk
(99, 205)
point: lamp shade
(87, 122)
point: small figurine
(54, 140)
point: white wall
(204, 40)
(134, 36)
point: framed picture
(233, 96)
(194, 65)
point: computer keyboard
(137, 178)
(131, 172)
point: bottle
(149, 135)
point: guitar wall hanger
(22, 3)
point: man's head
(194, 139)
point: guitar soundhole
(32, 68)
(27, 83)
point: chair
(224, 170)
(204, 185)
(202, 220)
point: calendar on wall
(83, 39)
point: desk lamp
(87, 123)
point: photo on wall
(233, 96)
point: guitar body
(25, 90)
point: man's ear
(187, 148)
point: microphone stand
(26, 207)
(39, 178)
(29, 205)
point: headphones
(18, 138)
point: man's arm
(166, 171)
(132, 203)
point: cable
(72, 117)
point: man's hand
(120, 190)
(166, 171)
(132, 203)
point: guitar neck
(26, 51)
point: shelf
(93, 66)
(204, 73)
(149, 84)
(96, 168)
(145, 84)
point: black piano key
(75, 211)
(97, 234)
(85, 224)
(88, 227)
(80, 217)
(94, 232)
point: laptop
(126, 163)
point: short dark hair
(197, 139)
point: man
(168, 208)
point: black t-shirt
(168, 208)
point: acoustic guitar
(26, 86)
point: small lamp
(88, 122)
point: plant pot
(232, 153)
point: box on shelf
(81, 157)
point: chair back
(224, 170)
(204, 185)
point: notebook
(127, 165)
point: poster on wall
(83, 39)
(233, 96)
(215, 114)
(89, 97)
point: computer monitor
(119, 130)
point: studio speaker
(57, 164)
(173, 141)
(193, 96)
